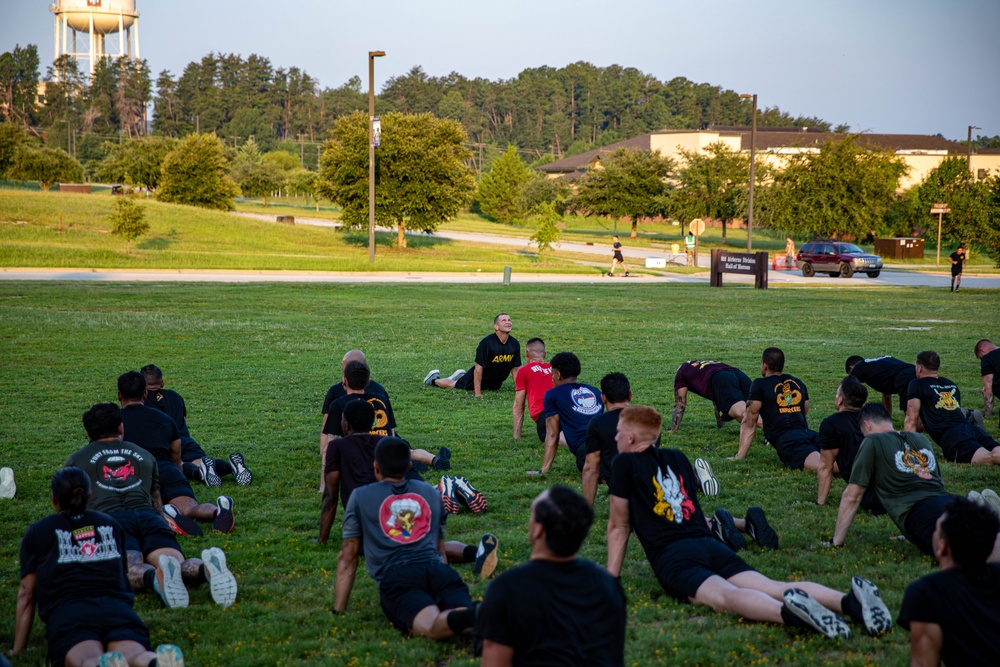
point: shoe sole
(726, 530)
(221, 581)
(224, 520)
(429, 378)
(760, 530)
(447, 489)
(443, 459)
(816, 616)
(168, 655)
(8, 489)
(471, 498)
(212, 478)
(877, 619)
(240, 471)
(990, 498)
(709, 484)
(182, 525)
(113, 659)
(171, 590)
(976, 497)
(486, 564)
(457, 375)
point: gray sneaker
(875, 615)
(457, 375)
(221, 581)
(8, 489)
(168, 583)
(433, 375)
(709, 484)
(990, 498)
(814, 615)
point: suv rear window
(807, 248)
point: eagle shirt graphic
(672, 502)
(585, 401)
(405, 519)
(919, 462)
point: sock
(470, 553)
(460, 619)
(152, 663)
(791, 620)
(191, 471)
(850, 606)
(149, 578)
(223, 467)
(203, 572)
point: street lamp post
(968, 163)
(372, 55)
(753, 161)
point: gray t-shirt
(399, 524)
(123, 475)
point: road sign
(376, 131)
(938, 209)
(697, 227)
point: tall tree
(423, 177)
(48, 166)
(256, 176)
(499, 191)
(629, 184)
(136, 162)
(952, 183)
(196, 173)
(19, 84)
(12, 137)
(713, 184)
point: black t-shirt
(170, 402)
(842, 431)
(556, 613)
(75, 557)
(601, 438)
(967, 607)
(940, 405)
(123, 476)
(661, 489)
(154, 431)
(337, 391)
(385, 422)
(887, 375)
(959, 259)
(352, 456)
(497, 359)
(783, 398)
(990, 364)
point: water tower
(91, 21)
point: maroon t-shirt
(697, 376)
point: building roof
(576, 163)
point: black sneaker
(486, 556)
(443, 459)
(719, 419)
(224, 519)
(874, 614)
(179, 523)
(211, 476)
(240, 471)
(811, 614)
(726, 531)
(759, 529)
(447, 488)
(469, 496)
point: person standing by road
(957, 260)
(617, 258)
(789, 252)
(689, 247)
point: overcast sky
(888, 66)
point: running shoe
(240, 471)
(179, 523)
(447, 488)
(457, 375)
(112, 659)
(975, 417)
(990, 498)
(725, 529)
(759, 529)
(874, 615)
(976, 497)
(221, 581)
(469, 496)
(211, 476)
(433, 375)
(443, 459)
(168, 655)
(813, 615)
(626, 274)
(7, 486)
(224, 519)
(168, 583)
(709, 484)
(486, 556)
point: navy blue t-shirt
(576, 404)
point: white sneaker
(874, 614)
(990, 498)
(168, 655)
(168, 583)
(815, 615)
(7, 486)
(709, 484)
(430, 377)
(220, 580)
(457, 375)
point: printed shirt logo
(917, 462)
(946, 397)
(381, 416)
(672, 502)
(702, 364)
(585, 401)
(502, 359)
(85, 545)
(117, 471)
(405, 519)
(537, 368)
(788, 396)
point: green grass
(254, 361)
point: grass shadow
(158, 242)
(388, 240)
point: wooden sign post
(939, 210)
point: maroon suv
(836, 258)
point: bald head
(353, 355)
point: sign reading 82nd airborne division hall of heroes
(746, 263)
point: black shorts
(619, 257)
(956, 270)
(960, 443)
(540, 427)
(191, 450)
(729, 388)
(468, 382)
(104, 619)
(146, 531)
(581, 456)
(921, 521)
(795, 446)
(405, 591)
(177, 489)
(686, 564)
(871, 503)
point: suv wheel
(807, 270)
(846, 270)
(873, 274)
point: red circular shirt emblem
(405, 518)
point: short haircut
(102, 421)
(874, 412)
(851, 362)
(357, 375)
(359, 415)
(496, 320)
(132, 385)
(643, 419)
(567, 363)
(534, 343)
(152, 374)
(566, 517)
(774, 359)
(970, 529)
(981, 346)
(854, 392)
(615, 387)
(71, 489)
(930, 360)
(393, 456)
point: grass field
(254, 361)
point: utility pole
(968, 163)
(372, 55)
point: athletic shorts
(104, 619)
(146, 531)
(406, 590)
(959, 443)
(177, 489)
(619, 257)
(956, 270)
(191, 450)
(581, 456)
(871, 503)
(540, 428)
(468, 382)
(685, 565)
(729, 388)
(921, 520)
(795, 446)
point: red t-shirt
(535, 378)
